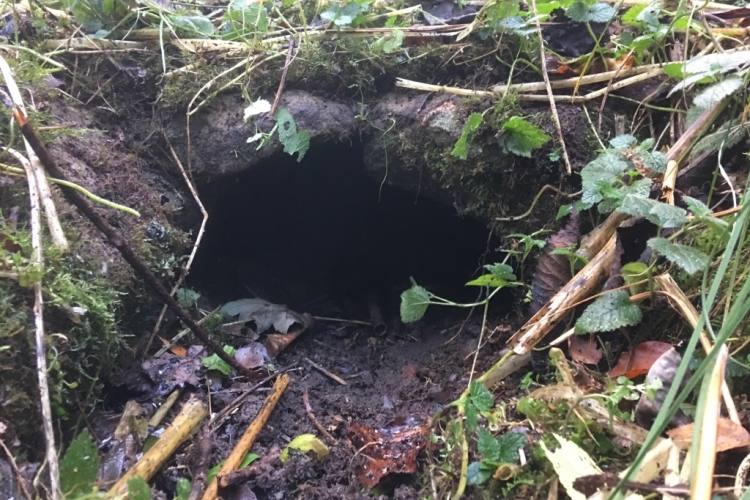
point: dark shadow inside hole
(298, 233)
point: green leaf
(183, 489)
(193, 25)
(211, 474)
(674, 70)
(472, 417)
(696, 206)
(414, 302)
(502, 450)
(461, 148)
(305, 443)
(214, 362)
(488, 280)
(503, 271)
(623, 141)
(343, 16)
(187, 298)
(633, 272)
(608, 312)
(631, 16)
(480, 396)
(245, 18)
(521, 137)
(600, 13)
(138, 489)
(249, 458)
(293, 141)
(577, 12)
(479, 473)
(713, 94)
(661, 214)
(79, 466)
(688, 258)
(606, 169)
(388, 43)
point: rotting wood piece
(182, 427)
(119, 241)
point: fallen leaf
(730, 435)
(584, 350)
(170, 371)
(661, 373)
(639, 361)
(177, 350)
(253, 355)
(264, 314)
(393, 449)
(570, 462)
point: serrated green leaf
(502, 450)
(623, 141)
(688, 258)
(713, 94)
(661, 214)
(472, 417)
(487, 445)
(608, 312)
(138, 489)
(193, 25)
(183, 489)
(79, 466)
(696, 206)
(461, 148)
(305, 443)
(293, 141)
(478, 473)
(488, 280)
(717, 62)
(480, 396)
(600, 13)
(577, 12)
(414, 302)
(342, 16)
(503, 271)
(521, 137)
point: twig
(12, 461)
(178, 432)
(318, 425)
(342, 320)
(198, 484)
(246, 442)
(325, 372)
(552, 105)
(197, 243)
(120, 243)
(83, 190)
(289, 60)
(218, 419)
(164, 408)
(251, 471)
(45, 195)
(536, 200)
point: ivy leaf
(688, 258)
(293, 141)
(480, 396)
(414, 302)
(718, 91)
(661, 214)
(461, 148)
(79, 466)
(521, 137)
(214, 362)
(478, 473)
(138, 489)
(609, 312)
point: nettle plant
(621, 179)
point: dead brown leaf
(584, 349)
(730, 435)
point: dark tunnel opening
(321, 232)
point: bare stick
(197, 243)
(45, 195)
(12, 462)
(246, 442)
(182, 427)
(164, 408)
(552, 105)
(311, 415)
(200, 473)
(288, 63)
(218, 419)
(325, 372)
(118, 240)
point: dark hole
(298, 233)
